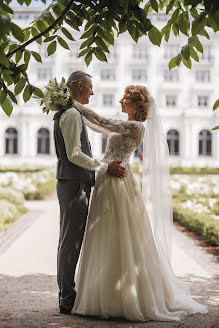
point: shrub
(13, 196)
(9, 213)
(201, 223)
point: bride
(125, 266)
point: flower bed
(33, 185)
(196, 204)
(15, 187)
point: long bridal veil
(156, 182)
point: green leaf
(122, 27)
(204, 33)
(175, 29)
(198, 45)
(199, 23)
(18, 56)
(51, 48)
(178, 59)
(88, 57)
(50, 38)
(34, 33)
(155, 36)
(186, 52)
(4, 59)
(172, 63)
(183, 23)
(154, 5)
(7, 78)
(83, 52)
(193, 54)
(7, 106)
(26, 57)
(19, 86)
(37, 56)
(170, 6)
(133, 31)
(167, 34)
(41, 25)
(87, 43)
(89, 33)
(101, 44)
(100, 54)
(67, 34)
(187, 63)
(4, 23)
(17, 32)
(3, 96)
(216, 128)
(38, 93)
(63, 43)
(216, 104)
(12, 96)
(214, 20)
(174, 16)
(26, 94)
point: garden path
(28, 276)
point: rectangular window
(139, 51)
(170, 101)
(203, 76)
(139, 75)
(107, 75)
(44, 73)
(171, 76)
(171, 51)
(202, 101)
(108, 100)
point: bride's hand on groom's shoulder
(116, 170)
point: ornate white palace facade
(185, 97)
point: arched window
(173, 141)
(104, 142)
(11, 141)
(43, 141)
(205, 143)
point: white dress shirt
(71, 126)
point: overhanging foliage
(99, 23)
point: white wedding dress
(120, 272)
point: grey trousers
(73, 201)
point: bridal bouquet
(56, 96)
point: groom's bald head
(80, 86)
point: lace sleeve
(96, 128)
(119, 126)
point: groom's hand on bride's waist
(116, 170)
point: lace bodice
(124, 136)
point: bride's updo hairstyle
(139, 95)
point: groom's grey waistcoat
(65, 168)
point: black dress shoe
(65, 309)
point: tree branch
(22, 46)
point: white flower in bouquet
(56, 96)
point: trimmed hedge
(200, 223)
(194, 170)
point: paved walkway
(28, 276)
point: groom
(75, 175)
